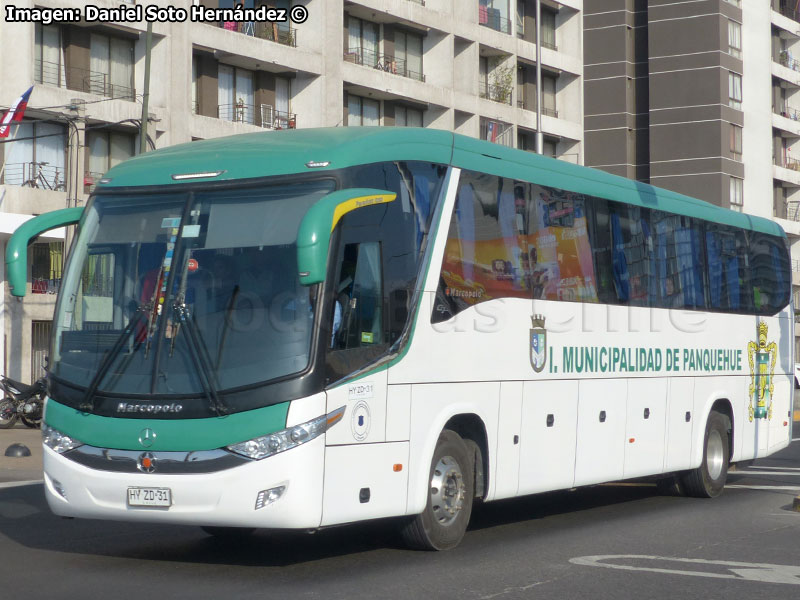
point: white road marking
(10, 484)
(764, 487)
(771, 468)
(765, 573)
(788, 473)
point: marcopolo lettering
(150, 409)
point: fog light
(267, 497)
(59, 488)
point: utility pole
(539, 134)
(146, 92)
(75, 162)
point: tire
(32, 423)
(8, 413)
(708, 480)
(228, 533)
(442, 524)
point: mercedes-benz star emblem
(147, 437)
(146, 462)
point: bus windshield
(186, 293)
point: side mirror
(17, 248)
(314, 234)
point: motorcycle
(22, 401)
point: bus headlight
(286, 439)
(58, 441)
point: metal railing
(796, 265)
(490, 17)
(496, 93)
(81, 80)
(282, 33)
(263, 115)
(790, 162)
(39, 175)
(382, 62)
(238, 112)
(787, 60)
(550, 112)
(497, 132)
(789, 113)
(277, 119)
(195, 107)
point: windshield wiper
(87, 404)
(197, 350)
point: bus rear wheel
(708, 480)
(444, 521)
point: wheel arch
(472, 429)
(723, 405)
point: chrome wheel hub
(714, 454)
(447, 490)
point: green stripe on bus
(171, 435)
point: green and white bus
(305, 328)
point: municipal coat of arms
(762, 356)
(538, 343)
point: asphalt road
(546, 546)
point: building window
(47, 260)
(549, 29)
(49, 57)
(40, 347)
(106, 149)
(735, 39)
(494, 14)
(737, 194)
(36, 156)
(111, 67)
(195, 85)
(736, 142)
(735, 90)
(549, 96)
(405, 116)
(363, 111)
(235, 95)
(362, 42)
(408, 54)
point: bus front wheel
(450, 493)
(709, 478)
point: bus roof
(290, 151)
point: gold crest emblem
(762, 356)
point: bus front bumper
(224, 498)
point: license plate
(144, 496)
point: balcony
(788, 61)
(550, 112)
(39, 175)
(788, 9)
(789, 162)
(81, 80)
(282, 33)
(262, 115)
(497, 93)
(90, 181)
(490, 17)
(790, 113)
(382, 62)
(497, 132)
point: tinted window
(516, 239)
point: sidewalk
(21, 469)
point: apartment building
(699, 97)
(463, 65)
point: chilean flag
(15, 112)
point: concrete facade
(471, 69)
(699, 97)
